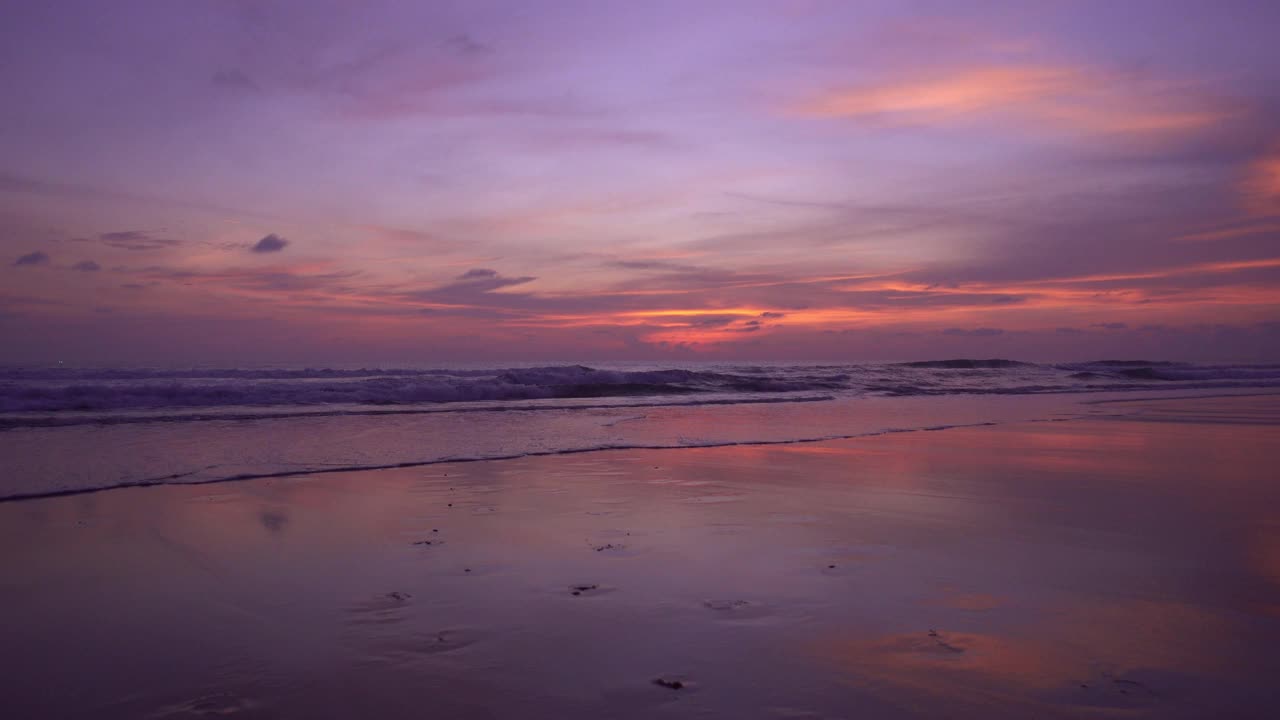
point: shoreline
(1056, 569)
(498, 458)
(1145, 398)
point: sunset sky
(574, 180)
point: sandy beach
(670, 360)
(1092, 568)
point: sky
(320, 181)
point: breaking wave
(96, 394)
(70, 430)
(80, 390)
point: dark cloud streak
(136, 240)
(34, 258)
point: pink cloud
(1065, 98)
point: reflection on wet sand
(1169, 659)
(1088, 569)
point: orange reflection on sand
(1264, 554)
(923, 658)
(1101, 656)
(969, 601)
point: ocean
(71, 430)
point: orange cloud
(1262, 186)
(964, 92)
(1067, 98)
(1232, 232)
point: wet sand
(1093, 568)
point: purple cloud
(136, 240)
(711, 321)
(332, 283)
(415, 122)
(269, 244)
(35, 258)
(464, 44)
(975, 332)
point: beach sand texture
(1097, 568)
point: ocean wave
(1171, 371)
(114, 390)
(26, 420)
(83, 390)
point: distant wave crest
(81, 390)
(965, 364)
(59, 390)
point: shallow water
(49, 460)
(1068, 569)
